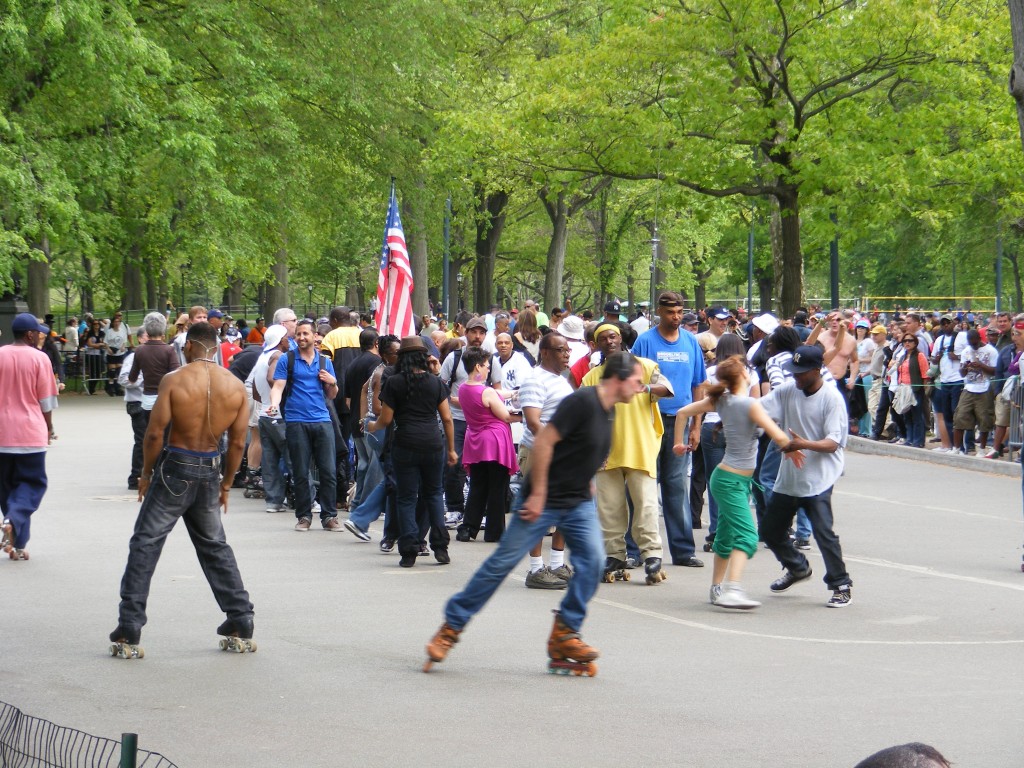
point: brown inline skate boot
(440, 644)
(568, 653)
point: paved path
(932, 648)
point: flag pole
(390, 264)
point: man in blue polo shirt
(681, 361)
(308, 425)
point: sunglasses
(911, 343)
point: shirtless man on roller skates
(576, 442)
(188, 478)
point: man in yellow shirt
(632, 464)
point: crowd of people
(591, 430)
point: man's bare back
(199, 401)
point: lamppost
(458, 279)
(309, 304)
(68, 285)
(184, 269)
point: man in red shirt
(28, 393)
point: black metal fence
(31, 742)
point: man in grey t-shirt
(815, 417)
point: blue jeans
(188, 487)
(274, 464)
(455, 476)
(915, 420)
(712, 443)
(864, 424)
(768, 474)
(417, 473)
(312, 443)
(675, 496)
(582, 533)
(368, 471)
(22, 486)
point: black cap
(689, 318)
(806, 358)
(612, 306)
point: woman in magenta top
(489, 455)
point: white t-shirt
(514, 372)
(544, 390)
(978, 381)
(815, 417)
(258, 378)
(949, 370)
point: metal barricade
(94, 371)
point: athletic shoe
(841, 597)
(689, 562)
(734, 597)
(424, 550)
(315, 508)
(303, 523)
(356, 531)
(564, 572)
(788, 579)
(387, 546)
(543, 578)
(802, 543)
(715, 593)
(332, 524)
(453, 520)
(957, 451)
(992, 453)
(407, 561)
(940, 449)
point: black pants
(775, 532)
(140, 422)
(488, 490)
(698, 485)
(455, 475)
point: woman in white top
(865, 350)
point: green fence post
(129, 750)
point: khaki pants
(614, 512)
(874, 396)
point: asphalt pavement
(931, 648)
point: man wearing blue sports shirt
(681, 361)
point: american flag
(394, 286)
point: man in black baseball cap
(612, 310)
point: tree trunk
(775, 235)
(37, 293)
(1016, 82)
(558, 213)
(792, 256)
(764, 292)
(1018, 289)
(277, 286)
(85, 286)
(131, 280)
(417, 245)
(353, 299)
(156, 289)
(489, 226)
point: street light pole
(68, 285)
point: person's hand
(797, 457)
(694, 441)
(680, 448)
(327, 379)
(224, 491)
(453, 458)
(532, 508)
(144, 486)
(850, 383)
(273, 412)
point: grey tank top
(740, 431)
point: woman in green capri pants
(736, 538)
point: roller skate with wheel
(709, 542)
(254, 485)
(655, 573)
(6, 536)
(568, 654)
(236, 636)
(125, 643)
(615, 570)
(440, 644)
(18, 554)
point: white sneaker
(315, 508)
(716, 592)
(733, 596)
(957, 451)
(992, 453)
(940, 449)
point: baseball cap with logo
(719, 313)
(805, 359)
(612, 306)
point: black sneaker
(788, 579)
(408, 561)
(841, 597)
(802, 543)
(387, 545)
(442, 557)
